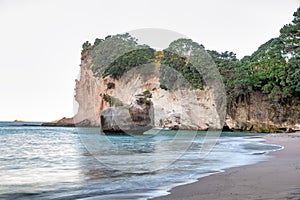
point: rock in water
(136, 118)
(118, 120)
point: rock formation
(183, 108)
(136, 118)
(178, 109)
(256, 112)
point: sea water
(61, 163)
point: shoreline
(276, 178)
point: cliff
(187, 91)
(257, 112)
(178, 109)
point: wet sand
(277, 178)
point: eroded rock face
(89, 94)
(118, 120)
(256, 112)
(136, 118)
(196, 108)
(176, 109)
(141, 112)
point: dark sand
(277, 178)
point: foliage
(86, 46)
(176, 56)
(110, 85)
(290, 35)
(274, 68)
(118, 53)
(146, 92)
(227, 64)
(141, 101)
(97, 41)
(148, 102)
(112, 101)
(129, 60)
(163, 86)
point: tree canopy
(273, 69)
(116, 54)
(177, 57)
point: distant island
(262, 90)
(18, 120)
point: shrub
(110, 85)
(148, 102)
(146, 92)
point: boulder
(122, 120)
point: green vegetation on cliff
(176, 56)
(117, 54)
(274, 69)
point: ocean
(80, 163)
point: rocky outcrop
(256, 112)
(68, 122)
(118, 120)
(18, 120)
(183, 108)
(136, 118)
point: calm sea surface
(71, 163)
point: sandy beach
(277, 178)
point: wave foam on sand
(277, 178)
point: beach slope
(277, 178)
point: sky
(40, 40)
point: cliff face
(183, 108)
(256, 112)
(89, 94)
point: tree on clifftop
(177, 56)
(117, 54)
(86, 46)
(290, 35)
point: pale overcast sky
(41, 40)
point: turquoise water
(70, 163)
